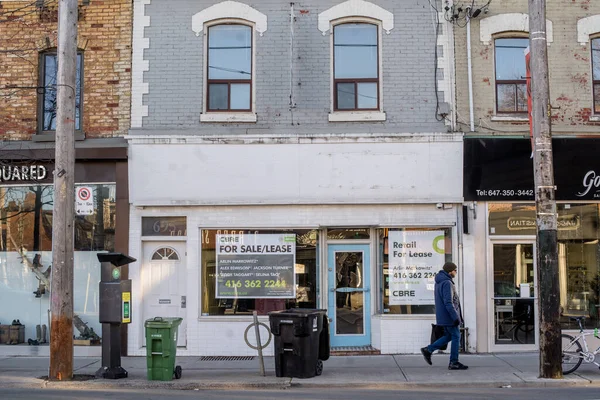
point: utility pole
(546, 238)
(61, 295)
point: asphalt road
(578, 393)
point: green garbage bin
(161, 348)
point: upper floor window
(596, 73)
(48, 99)
(229, 68)
(356, 67)
(511, 82)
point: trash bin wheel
(319, 368)
(177, 372)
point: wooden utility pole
(546, 239)
(61, 295)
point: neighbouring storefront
(221, 230)
(499, 191)
(26, 204)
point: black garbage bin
(301, 337)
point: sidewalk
(385, 371)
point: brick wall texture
(176, 68)
(105, 39)
(569, 68)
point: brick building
(492, 110)
(327, 125)
(28, 37)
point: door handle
(183, 301)
(349, 290)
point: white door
(164, 283)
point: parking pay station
(115, 309)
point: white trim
(160, 137)
(355, 8)
(586, 27)
(228, 117)
(511, 22)
(595, 118)
(139, 65)
(229, 9)
(356, 116)
(507, 118)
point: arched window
(165, 253)
(511, 84)
(229, 68)
(356, 67)
(596, 73)
(356, 81)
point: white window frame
(356, 11)
(228, 12)
(588, 30)
(228, 115)
(505, 116)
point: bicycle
(572, 352)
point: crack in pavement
(400, 368)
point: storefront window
(578, 252)
(26, 254)
(262, 270)
(409, 259)
(348, 233)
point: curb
(286, 383)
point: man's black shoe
(457, 365)
(426, 355)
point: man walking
(448, 315)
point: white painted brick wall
(224, 335)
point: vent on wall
(226, 358)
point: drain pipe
(470, 72)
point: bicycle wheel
(524, 333)
(571, 354)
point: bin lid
(162, 322)
(297, 312)
(117, 259)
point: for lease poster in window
(415, 257)
(256, 266)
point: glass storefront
(262, 270)
(408, 260)
(26, 254)
(578, 256)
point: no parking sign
(84, 201)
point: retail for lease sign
(256, 266)
(415, 257)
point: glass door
(349, 294)
(514, 301)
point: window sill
(356, 116)
(595, 118)
(509, 118)
(51, 137)
(228, 117)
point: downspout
(470, 72)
